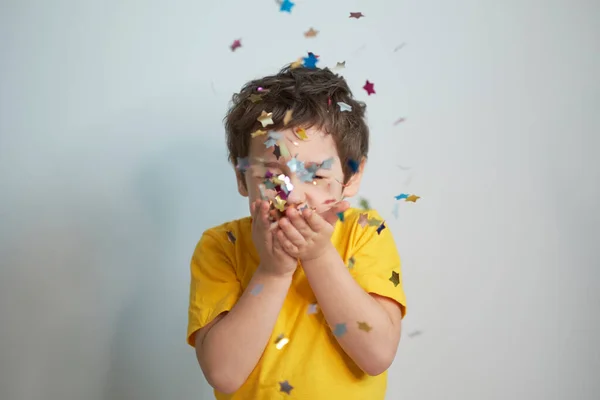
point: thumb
(331, 215)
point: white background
(113, 162)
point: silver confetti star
(312, 308)
(340, 330)
(272, 139)
(344, 106)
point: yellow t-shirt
(312, 363)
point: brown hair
(312, 94)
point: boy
(303, 299)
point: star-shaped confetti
(363, 326)
(301, 134)
(272, 139)
(311, 33)
(287, 117)
(374, 222)
(257, 289)
(363, 220)
(265, 118)
(236, 44)
(364, 204)
(401, 196)
(277, 152)
(255, 98)
(341, 216)
(381, 228)
(231, 237)
(356, 15)
(312, 308)
(395, 278)
(311, 61)
(286, 5)
(258, 132)
(340, 330)
(344, 106)
(279, 203)
(243, 164)
(351, 262)
(354, 165)
(281, 341)
(413, 198)
(327, 164)
(340, 65)
(369, 87)
(285, 387)
(298, 63)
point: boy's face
(313, 167)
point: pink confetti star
(236, 44)
(356, 15)
(369, 87)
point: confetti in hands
(306, 235)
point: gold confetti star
(351, 263)
(296, 64)
(301, 134)
(374, 222)
(265, 118)
(255, 98)
(279, 203)
(288, 117)
(281, 341)
(395, 278)
(311, 33)
(413, 198)
(258, 132)
(363, 220)
(363, 326)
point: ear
(353, 184)
(241, 182)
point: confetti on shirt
(312, 308)
(351, 263)
(356, 15)
(340, 330)
(281, 341)
(363, 326)
(363, 220)
(344, 106)
(265, 118)
(311, 33)
(257, 289)
(381, 228)
(369, 87)
(236, 44)
(395, 278)
(285, 387)
(231, 237)
(286, 5)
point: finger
(290, 232)
(332, 215)
(286, 244)
(262, 217)
(297, 219)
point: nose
(297, 195)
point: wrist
(268, 273)
(324, 257)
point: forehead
(315, 147)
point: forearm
(343, 301)
(234, 345)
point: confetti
(395, 278)
(255, 98)
(272, 139)
(381, 228)
(363, 220)
(277, 152)
(413, 198)
(395, 210)
(311, 33)
(285, 153)
(281, 341)
(351, 262)
(401, 196)
(414, 333)
(399, 121)
(231, 237)
(341, 216)
(340, 330)
(288, 117)
(258, 132)
(295, 165)
(363, 326)
(286, 5)
(236, 44)
(364, 204)
(312, 308)
(356, 15)
(243, 164)
(374, 222)
(340, 65)
(265, 118)
(327, 164)
(279, 203)
(301, 134)
(344, 106)
(311, 61)
(369, 87)
(257, 289)
(399, 47)
(285, 387)
(354, 165)
(298, 63)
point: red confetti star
(236, 44)
(369, 87)
(356, 15)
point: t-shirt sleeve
(214, 286)
(374, 261)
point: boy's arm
(366, 326)
(231, 345)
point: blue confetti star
(380, 228)
(286, 5)
(353, 164)
(311, 61)
(340, 330)
(401, 196)
(295, 165)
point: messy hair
(312, 94)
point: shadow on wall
(183, 189)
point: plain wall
(113, 162)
